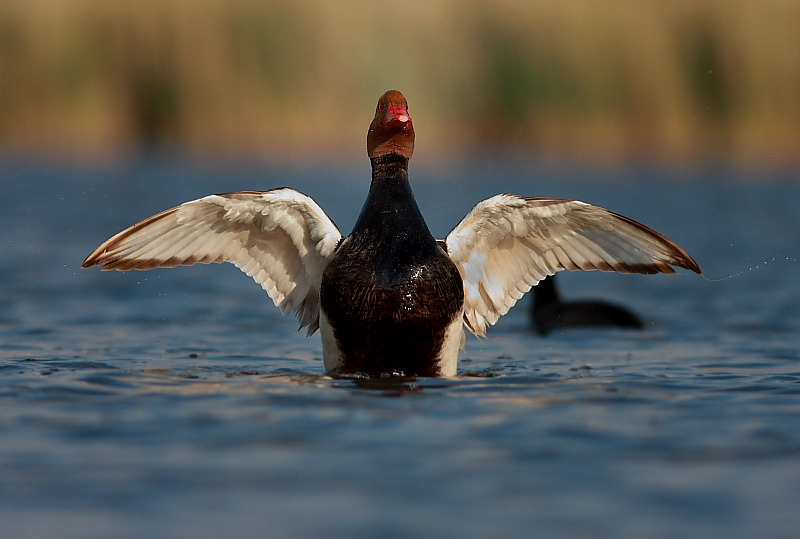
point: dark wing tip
(681, 259)
(689, 263)
(100, 255)
(93, 259)
(679, 256)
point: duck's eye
(381, 106)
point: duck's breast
(389, 312)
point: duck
(549, 312)
(389, 298)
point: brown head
(391, 130)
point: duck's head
(391, 130)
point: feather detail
(280, 238)
(508, 243)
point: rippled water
(179, 403)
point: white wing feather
(281, 238)
(509, 243)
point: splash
(761, 265)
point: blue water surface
(180, 403)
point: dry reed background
(671, 80)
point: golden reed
(672, 80)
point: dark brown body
(390, 292)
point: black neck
(389, 164)
(390, 207)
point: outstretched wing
(509, 243)
(281, 238)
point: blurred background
(675, 82)
(181, 404)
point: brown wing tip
(109, 262)
(101, 257)
(690, 264)
(682, 259)
(677, 254)
(92, 260)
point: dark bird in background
(550, 313)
